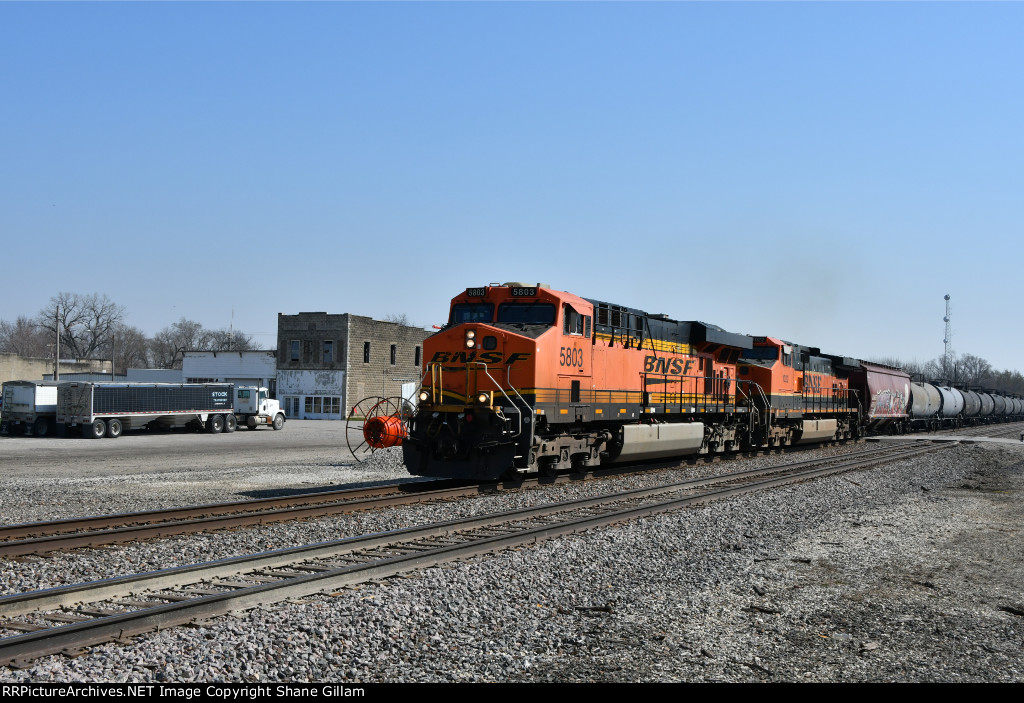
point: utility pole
(56, 348)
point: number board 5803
(530, 292)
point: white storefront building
(243, 368)
(311, 394)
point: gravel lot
(908, 572)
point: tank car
(925, 405)
(972, 406)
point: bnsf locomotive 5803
(528, 379)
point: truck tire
(278, 421)
(230, 422)
(96, 430)
(215, 424)
(114, 428)
(41, 427)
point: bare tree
(86, 322)
(399, 319)
(168, 346)
(225, 340)
(25, 338)
(973, 370)
(130, 348)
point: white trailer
(29, 407)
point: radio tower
(947, 358)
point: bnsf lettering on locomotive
(668, 366)
(461, 357)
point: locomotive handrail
(502, 390)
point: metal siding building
(246, 368)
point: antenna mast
(947, 358)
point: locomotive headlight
(483, 398)
(470, 344)
(424, 396)
(470, 339)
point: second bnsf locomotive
(527, 379)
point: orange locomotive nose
(384, 431)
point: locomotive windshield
(527, 313)
(472, 312)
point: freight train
(526, 379)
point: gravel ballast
(906, 572)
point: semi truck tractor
(108, 409)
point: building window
(317, 405)
(200, 380)
(366, 352)
(394, 354)
(417, 362)
(291, 406)
(295, 350)
(328, 352)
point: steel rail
(146, 524)
(399, 551)
(50, 527)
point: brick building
(327, 363)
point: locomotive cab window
(527, 313)
(472, 312)
(574, 323)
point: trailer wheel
(278, 421)
(96, 430)
(215, 424)
(114, 428)
(230, 423)
(41, 427)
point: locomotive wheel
(377, 423)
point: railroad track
(70, 618)
(76, 533)
(37, 538)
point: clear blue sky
(822, 172)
